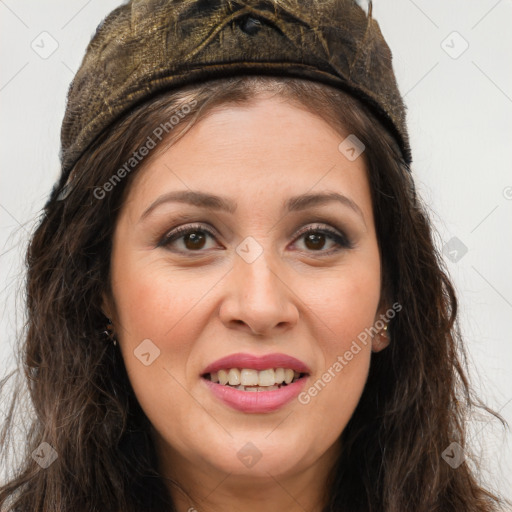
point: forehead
(260, 151)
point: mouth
(256, 383)
(252, 380)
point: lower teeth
(254, 388)
(259, 388)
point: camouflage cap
(149, 46)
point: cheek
(152, 300)
(155, 304)
(166, 307)
(345, 301)
(345, 308)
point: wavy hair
(417, 398)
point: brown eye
(315, 239)
(194, 238)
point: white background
(460, 122)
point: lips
(258, 402)
(250, 361)
(263, 399)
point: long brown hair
(415, 403)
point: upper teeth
(249, 377)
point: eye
(194, 239)
(315, 239)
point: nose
(258, 299)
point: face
(272, 275)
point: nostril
(250, 25)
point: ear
(106, 306)
(381, 338)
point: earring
(385, 332)
(110, 332)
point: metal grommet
(250, 25)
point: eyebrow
(214, 202)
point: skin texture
(197, 305)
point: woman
(234, 299)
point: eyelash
(340, 240)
